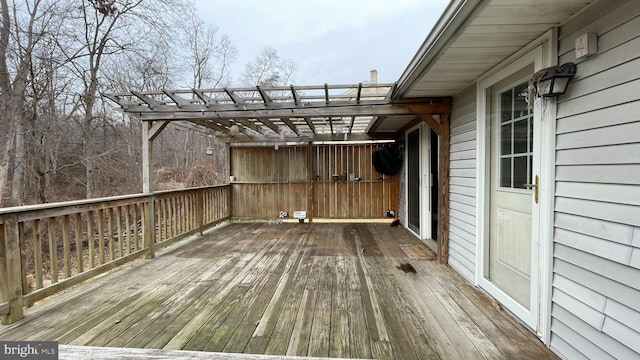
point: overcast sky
(330, 41)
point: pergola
(298, 114)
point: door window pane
(516, 138)
(505, 172)
(520, 168)
(505, 139)
(520, 136)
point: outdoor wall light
(553, 81)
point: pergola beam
(250, 125)
(264, 95)
(237, 100)
(180, 102)
(290, 124)
(206, 99)
(212, 125)
(268, 123)
(310, 124)
(294, 94)
(172, 112)
(243, 139)
(147, 99)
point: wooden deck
(321, 289)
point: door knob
(534, 187)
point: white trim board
(546, 45)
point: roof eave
(447, 26)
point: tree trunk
(89, 163)
(6, 165)
(19, 159)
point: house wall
(596, 272)
(462, 188)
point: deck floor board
(320, 289)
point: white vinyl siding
(462, 188)
(596, 283)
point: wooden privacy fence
(327, 181)
(47, 248)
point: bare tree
(209, 55)
(23, 26)
(268, 69)
(107, 28)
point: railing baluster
(136, 219)
(23, 259)
(53, 250)
(119, 228)
(127, 224)
(100, 218)
(37, 253)
(77, 222)
(66, 246)
(173, 221)
(91, 240)
(110, 233)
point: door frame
(425, 181)
(544, 51)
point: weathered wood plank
(205, 319)
(267, 324)
(256, 303)
(278, 342)
(321, 323)
(69, 352)
(259, 288)
(379, 337)
(339, 344)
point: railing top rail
(85, 202)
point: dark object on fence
(386, 161)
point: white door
(510, 218)
(418, 181)
(511, 213)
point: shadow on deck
(321, 289)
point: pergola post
(147, 157)
(150, 129)
(229, 174)
(310, 181)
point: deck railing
(47, 248)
